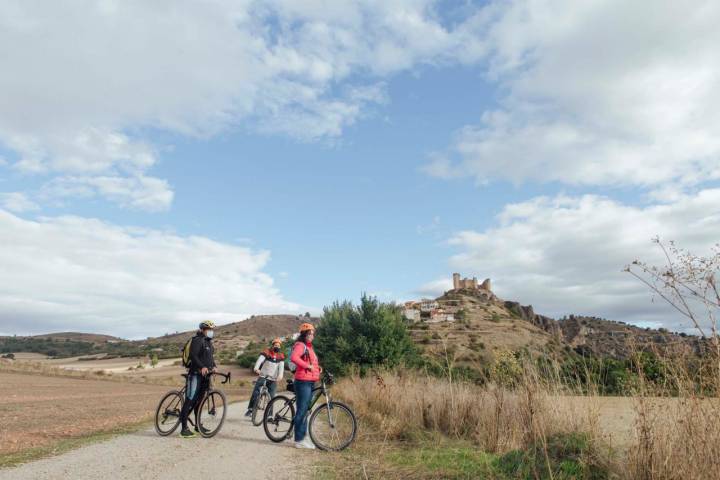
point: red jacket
(303, 371)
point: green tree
(369, 335)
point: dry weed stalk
(677, 423)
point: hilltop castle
(469, 283)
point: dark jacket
(201, 353)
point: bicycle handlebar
(226, 376)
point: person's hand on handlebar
(257, 372)
(203, 371)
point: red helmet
(306, 326)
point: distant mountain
(80, 337)
(229, 339)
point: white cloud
(83, 82)
(17, 202)
(565, 254)
(146, 193)
(434, 288)
(598, 92)
(72, 273)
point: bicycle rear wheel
(167, 414)
(333, 426)
(278, 418)
(212, 413)
(259, 408)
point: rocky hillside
(607, 338)
(485, 325)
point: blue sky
(268, 157)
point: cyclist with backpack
(198, 358)
(270, 366)
(304, 363)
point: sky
(170, 161)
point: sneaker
(305, 443)
(249, 412)
(202, 430)
(187, 433)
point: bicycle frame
(207, 392)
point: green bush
(564, 457)
(248, 358)
(373, 334)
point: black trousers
(195, 387)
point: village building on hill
(429, 310)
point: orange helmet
(306, 326)
(277, 341)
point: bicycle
(261, 402)
(208, 418)
(332, 426)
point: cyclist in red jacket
(307, 372)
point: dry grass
(496, 419)
(407, 408)
(675, 432)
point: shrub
(506, 369)
(370, 335)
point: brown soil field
(40, 411)
(167, 371)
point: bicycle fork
(329, 410)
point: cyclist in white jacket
(270, 366)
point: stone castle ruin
(470, 283)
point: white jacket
(271, 365)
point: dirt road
(238, 451)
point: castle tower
(456, 281)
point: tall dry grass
(677, 426)
(675, 432)
(407, 406)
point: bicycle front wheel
(278, 418)
(333, 426)
(259, 408)
(212, 413)
(167, 415)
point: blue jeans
(272, 386)
(303, 393)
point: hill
(80, 337)
(229, 339)
(472, 325)
(235, 337)
(481, 327)
(257, 327)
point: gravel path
(238, 451)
